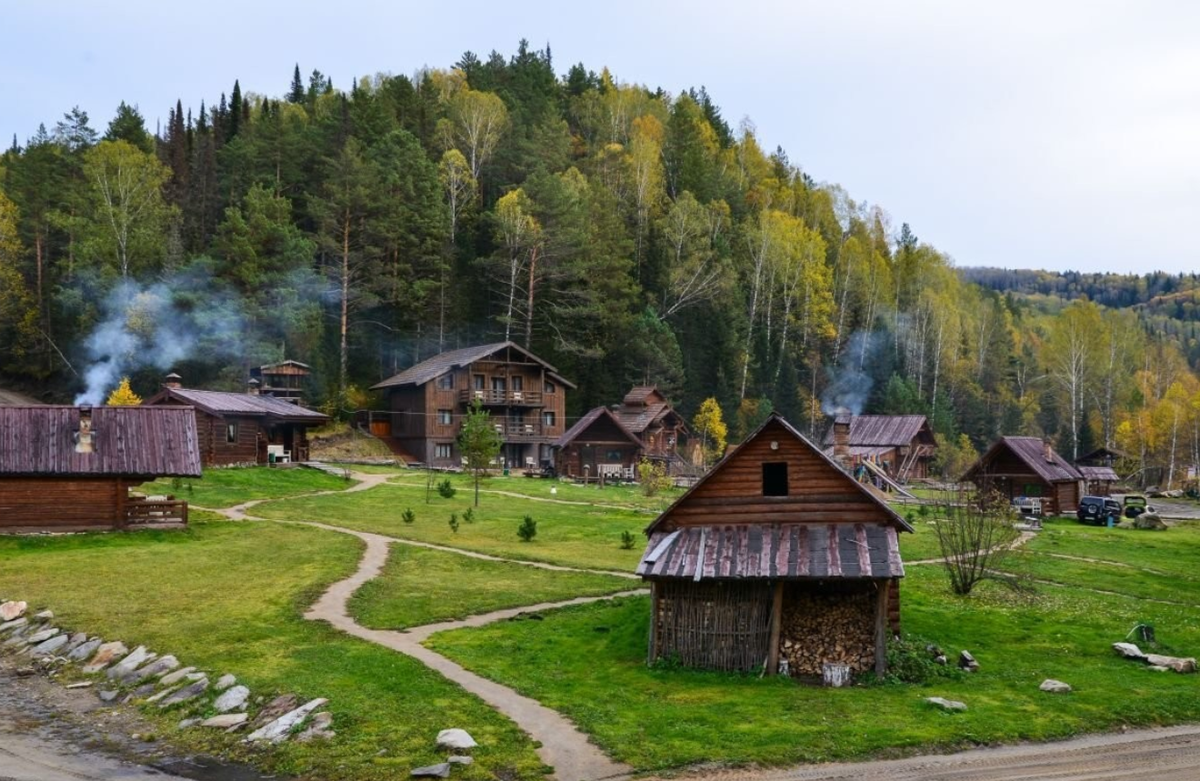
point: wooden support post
(776, 625)
(654, 620)
(881, 625)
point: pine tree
(296, 93)
(235, 112)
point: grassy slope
(228, 487)
(227, 597)
(420, 586)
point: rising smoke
(849, 383)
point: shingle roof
(1031, 452)
(131, 441)
(890, 430)
(827, 551)
(432, 368)
(638, 419)
(586, 422)
(229, 403)
(639, 393)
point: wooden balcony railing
(147, 511)
(520, 431)
(502, 398)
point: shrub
(653, 477)
(469, 515)
(911, 659)
(627, 540)
(454, 522)
(528, 529)
(446, 490)
(408, 516)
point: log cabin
(287, 380)
(646, 413)
(597, 444)
(1030, 474)
(70, 468)
(1097, 469)
(525, 396)
(776, 555)
(243, 428)
(901, 445)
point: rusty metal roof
(787, 551)
(584, 423)
(890, 430)
(130, 441)
(432, 368)
(247, 404)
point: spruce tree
(296, 93)
(235, 112)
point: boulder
(277, 731)
(224, 682)
(232, 699)
(226, 720)
(440, 770)
(125, 670)
(156, 668)
(1151, 521)
(177, 676)
(967, 662)
(455, 739)
(1055, 687)
(189, 692)
(105, 655)
(85, 650)
(1175, 663)
(944, 704)
(1129, 651)
(11, 610)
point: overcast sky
(1057, 134)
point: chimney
(172, 381)
(841, 440)
(1047, 451)
(84, 436)
(253, 386)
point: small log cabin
(1099, 476)
(243, 428)
(647, 414)
(70, 468)
(525, 396)
(1028, 472)
(597, 443)
(775, 555)
(902, 445)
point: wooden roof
(1030, 451)
(127, 441)
(643, 395)
(222, 403)
(1099, 455)
(432, 368)
(882, 430)
(1098, 473)
(591, 419)
(13, 399)
(643, 406)
(788, 551)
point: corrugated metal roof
(229, 403)
(132, 441)
(587, 420)
(1031, 451)
(1098, 473)
(774, 551)
(891, 430)
(432, 368)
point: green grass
(228, 487)
(570, 535)
(589, 662)
(227, 597)
(421, 586)
(624, 496)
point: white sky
(1059, 134)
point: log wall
(62, 504)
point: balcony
(502, 398)
(520, 432)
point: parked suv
(1097, 509)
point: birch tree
(128, 207)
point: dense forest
(626, 234)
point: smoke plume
(849, 383)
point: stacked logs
(820, 628)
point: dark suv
(1097, 509)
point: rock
(108, 696)
(195, 676)
(319, 727)
(456, 739)
(189, 692)
(188, 723)
(105, 655)
(457, 760)
(1055, 687)
(232, 699)
(946, 704)
(164, 693)
(80, 685)
(1173, 662)
(278, 729)
(45, 615)
(226, 721)
(124, 670)
(11, 610)
(156, 668)
(76, 640)
(440, 770)
(1151, 521)
(84, 651)
(42, 635)
(1129, 651)
(175, 677)
(224, 682)
(1158, 668)
(15, 623)
(25, 672)
(276, 708)
(49, 647)
(145, 690)
(942, 660)
(967, 662)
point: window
(442, 450)
(775, 478)
(231, 432)
(613, 455)
(444, 417)
(549, 387)
(477, 382)
(518, 383)
(446, 381)
(497, 383)
(548, 418)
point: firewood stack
(828, 628)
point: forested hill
(625, 233)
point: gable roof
(432, 368)
(127, 441)
(1031, 452)
(641, 394)
(586, 422)
(886, 430)
(13, 399)
(732, 455)
(1098, 473)
(223, 403)
(1099, 454)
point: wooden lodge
(901, 445)
(243, 428)
(598, 444)
(1030, 474)
(646, 413)
(70, 468)
(287, 380)
(776, 555)
(525, 396)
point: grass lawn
(227, 597)
(421, 586)
(589, 662)
(228, 487)
(629, 496)
(571, 535)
